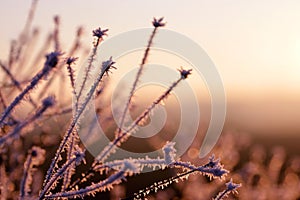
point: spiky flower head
(52, 58)
(158, 22)
(71, 60)
(49, 101)
(231, 186)
(107, 65)
(184, 73)
(99, 33)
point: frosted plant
(60, 180)
(51, 62)
(156, 23)
(48, 102)
(98, 33)
(72, 128)
(118, 170)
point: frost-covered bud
(99, 33)
(52, 58)
(49, 101)
(158, 22)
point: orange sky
(254, 44)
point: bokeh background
(256, 47)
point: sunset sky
(254, 44)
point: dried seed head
(212, 162)
(71, 60)
(99, 33)
(232, 186)
(52, 58)
(158, 22)
(184, 73)
(49, 101)
(107, 65)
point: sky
(254, 44)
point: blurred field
(259, 144)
